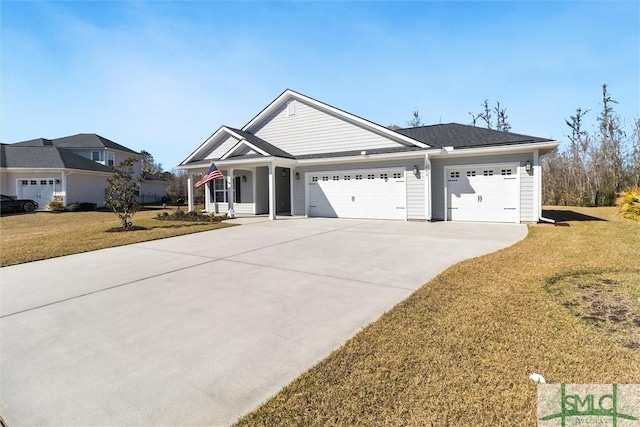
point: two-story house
(71, 169)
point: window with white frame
(111, 159)
(97, 156)
(218, 190)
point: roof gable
(302, 126)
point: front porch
(256, 190)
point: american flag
(212, 174)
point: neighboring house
(300, 156)
(71, 169)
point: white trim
(428, 208)
(53, 170)
(502, 149)
(447, 169)
(287, 94)
(291, 178)
(537, 186)
(190, 191)
(354, 171)
(272, 191)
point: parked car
(8, 204)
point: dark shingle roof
(82, 141)
(262, 144)
(45, 157)
(465, 136)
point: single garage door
(40, 190)
(371, 194)
(483, 193)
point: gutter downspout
(538, 166)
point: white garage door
(372, 194)
(483, 193)
(40, 190)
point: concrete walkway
(200, 329)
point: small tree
(122, 192)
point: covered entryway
(372, 194)
(483, 193)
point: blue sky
(162, 76)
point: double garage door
(371, 194)
(483, 193)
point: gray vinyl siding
(415, 185)
(526, 181)
(262, 190)
(221, 147)
(86, 188)
(311, 131)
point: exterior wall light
(415, 170)
(527, 166)
(244, 178)
(297, 175)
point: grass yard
(41, 235)
(459, 351)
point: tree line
(595, 166)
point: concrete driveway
(200, 329)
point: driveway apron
(201, 329)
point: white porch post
(537, 186)
(427, 187)
(272, 191)
(254, 191)
(291, 173)
(230, 183)
(190, 190)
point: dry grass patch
(42, 235)
(459, 351)
(609, 301)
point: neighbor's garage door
(357, 194)
(40, 190)
(486, 193)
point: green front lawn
(459, 351)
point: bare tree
(487, 114)
(594, 168)
(635, 154)
(416, 120)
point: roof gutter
(516, 148)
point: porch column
(427, 188)
(230, 183)
(292, 172)
(254, 191)
(190, 190)
(272, 191)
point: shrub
(55, 206)
(628, 203)
(82, 207)
(193, 216)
